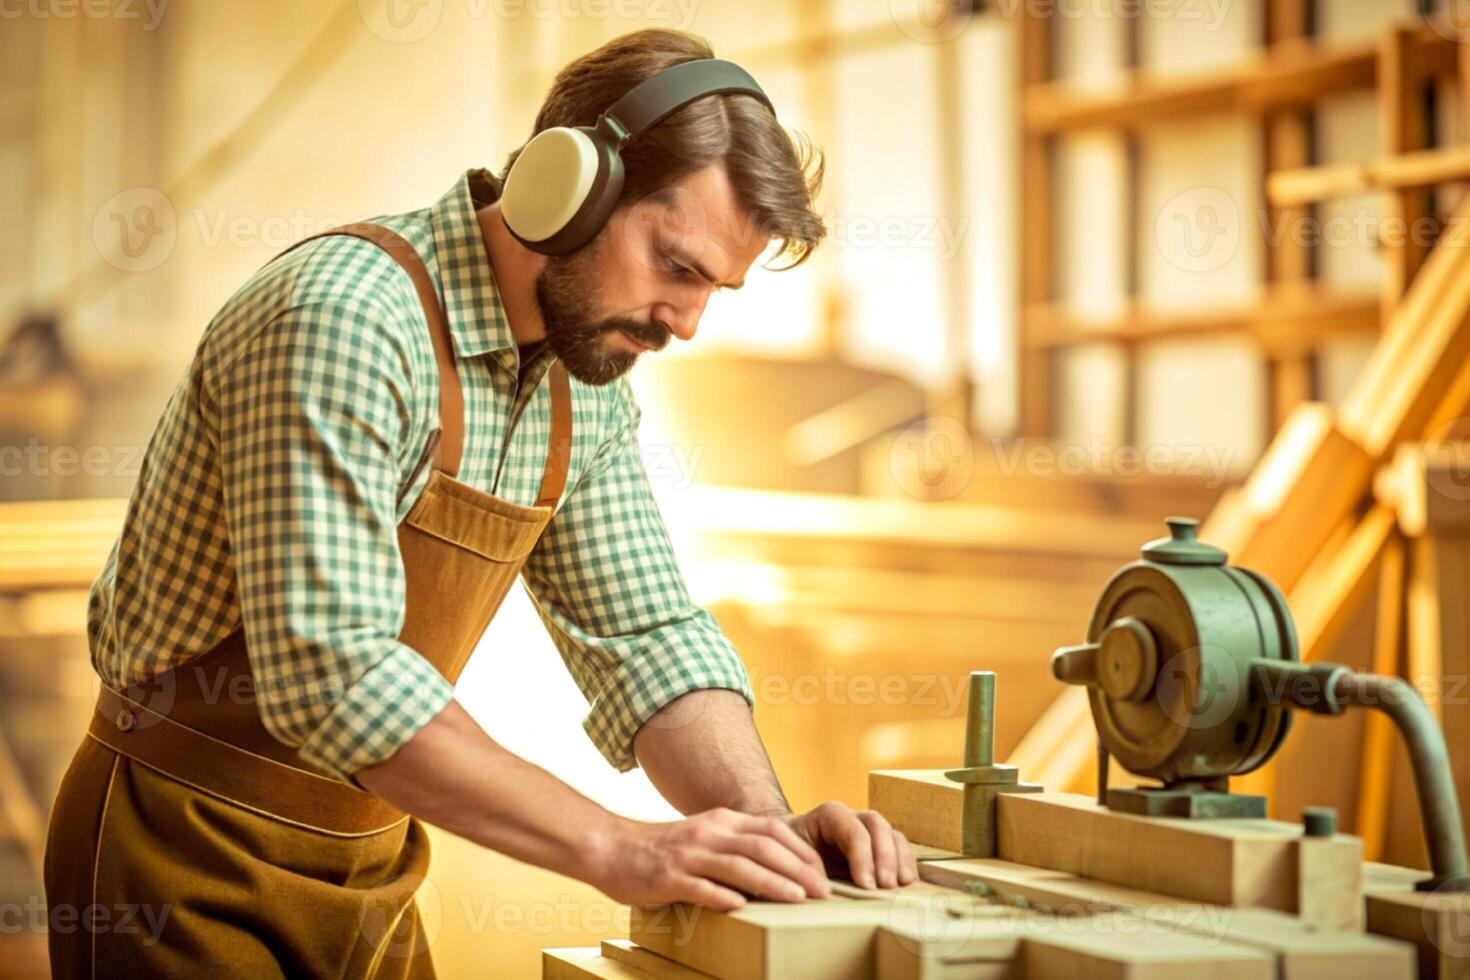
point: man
(376, 434)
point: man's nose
(681, 320)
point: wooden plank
(56, 543)
(1337, 582)
(1289, 73)
(983, 946)
(1224, 862)
(907, 593)
(1306, 483)
(587, 963)
(1379, 734)
(1438, 924)
(1288, 320)
(824, 939)
(897, 524)
(646, 962)
(1303, 951)
(1421, 168)
(1053, 892)
(921, 803)
(1438, 622)
(1422, 352)
(1287, 143)
(1401, 128)
(1036, 228)
(1118, 946)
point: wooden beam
(821, 939)
(56, 543)
(1309, 479)
(1422, 353)
(1437, 923)
(1290, 73)
(1290, 320)
(1334, 586)
(1302, 951)
(1401, 125)
(921, 803)
(1109, 948)
(645, 962)
(591, 963)
(1223, 862)
(1379, 735)
(1290, 374)
(899, 524)
(1423, 168)
(986, 945)
(1036, 225)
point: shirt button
(126, 720)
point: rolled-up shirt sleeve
(606, 584)
(313, 424)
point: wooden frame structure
(1280, 88)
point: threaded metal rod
(980, 721)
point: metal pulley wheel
(1168, 662)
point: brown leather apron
(186, 841)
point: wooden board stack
(1076, 892)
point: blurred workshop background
(1091, 263)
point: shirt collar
(477, 320)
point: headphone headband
(672, 88)
(566, 180)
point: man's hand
(858, 844)
(709, 859)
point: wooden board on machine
(1225, 862)
(976, 940)
(1438, 924)
(1302, 951)
(1261, 863)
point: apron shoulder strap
(451, 396)
(450, 450)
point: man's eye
(673, 265)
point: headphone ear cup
(550, 183)
(599, 203)
(562, 196)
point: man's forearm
(453, 775)
(702, 751)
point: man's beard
(582, 341)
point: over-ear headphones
(566, 180)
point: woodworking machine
(1192, 670)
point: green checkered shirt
(290, 450)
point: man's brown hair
(775, 175)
